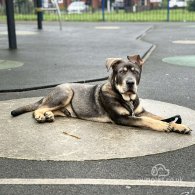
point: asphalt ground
(167, 82)
(160, 81)
(77, 53)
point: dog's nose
(130, 82)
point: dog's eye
(123, 71)
(134, 71)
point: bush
(191, 5)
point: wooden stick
(65, 133)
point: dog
(115, 101)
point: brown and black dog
(115, 101)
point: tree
(191, 5)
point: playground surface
(101, 158)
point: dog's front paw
(39, 117)
(49, 116)
(179, 128)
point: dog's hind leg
(58, 99)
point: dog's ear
(111, 62)
(136, 59)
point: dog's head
(126, 75)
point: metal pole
(108, 6)
(103, 8)
(11, 24)
(39, 15)
(168, 11)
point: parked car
(177, 3)
(77, 7)
(118, 4)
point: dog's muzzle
(131, 86)
(130, 83)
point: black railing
(112, 10)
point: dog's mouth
(126, 90)
(129, 95)
(130, 91)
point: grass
(147, 16)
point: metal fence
(105, 10)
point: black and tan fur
(115, 101)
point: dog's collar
(130, 107)
(130, 104)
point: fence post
(168, 11)
(103, 10)
(39, 14)
(11, 24)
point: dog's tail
(27, 108)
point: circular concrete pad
(23, 138)
(7, 64)
(181, 60)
